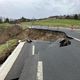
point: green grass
(56, 23)
(47, 22)
(7, 46)
(59, 22)
(24, 25)
(5, 25)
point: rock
(29, 41)
(64, 42)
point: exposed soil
(9, 33)
(40, 34)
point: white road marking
(40, 70)
(76, 39)
(33, 49)
(6, 66)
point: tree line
(74, 16)
(14, 21)
(23, 19)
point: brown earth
(9, 33)
(39, 34)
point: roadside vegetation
(6, 49)
(5, 25)
(8, 40)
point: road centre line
(33, 49)
(40, 70)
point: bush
(1, 20)
(75, 16)
(6, 20)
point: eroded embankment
(40, 34)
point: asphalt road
(24, 59)
(59, 63)
(73, 33)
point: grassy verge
(5, 25)
(6, 48)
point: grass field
(5, 25)
(7, 46)
(55, 23)
(47, 22)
